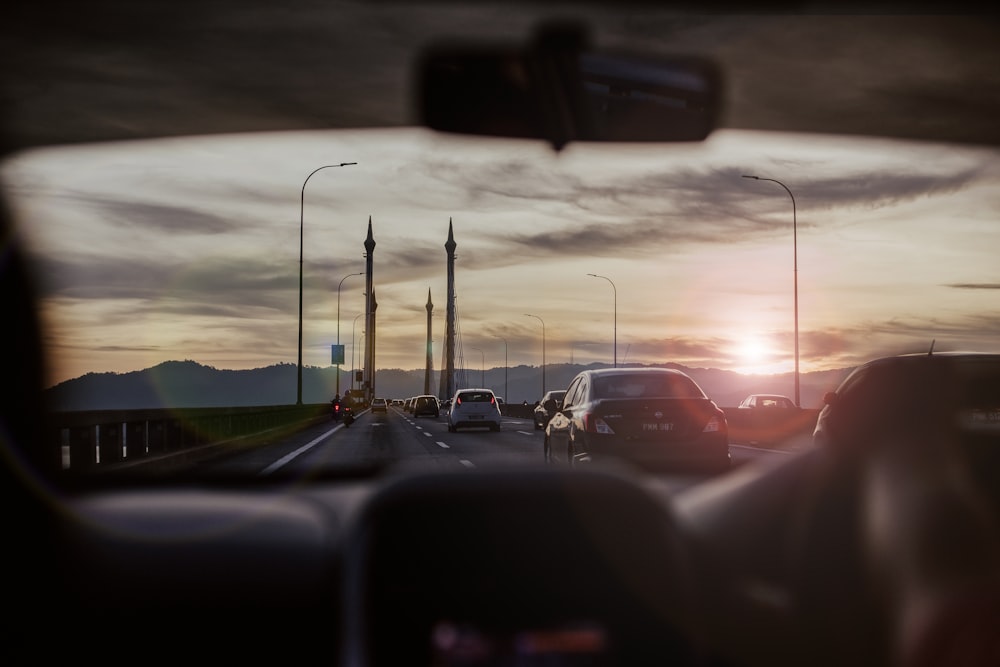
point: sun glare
(754, 355)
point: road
(396, 438)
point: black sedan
(652, 417)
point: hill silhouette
(177, 384)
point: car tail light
(592, 424)
(713, 426)
(458, 401)
(492, 400)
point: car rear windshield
(646, 386)
(476, 397)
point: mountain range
(177, 384)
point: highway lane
(398, 439)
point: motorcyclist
(335, 407)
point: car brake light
(458, 401)
(593, 424)
(492, 400)
(712, 426)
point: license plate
(659, 426)
(475, 416)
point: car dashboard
(477, 568)
(534, 566)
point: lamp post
(615, 290)
(543, 348)
(338, 322)
(795, 276)
(302, 204)
(482, 367)
(506, 396)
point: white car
(474, 408)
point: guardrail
(106, 440)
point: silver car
(474, 408)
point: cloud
(154, 217)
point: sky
(188, 248)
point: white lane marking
(762, 449)
(467, 464)
(427, 434)
(304, 448)
(442, 445)
(525, 432)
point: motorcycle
(336, 411)
(348, 416)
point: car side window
(570, 398)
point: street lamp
(482, 367)
(506, 396)
(302, 204)
(615, 290)
(543, 348)
(338, 322)
(795, 276)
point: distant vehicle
(547, 407)
(426, 405)
(474, 408)
(651, 417)
(766, 402)
(380, 405)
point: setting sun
(755, 355)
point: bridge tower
(430, 346)
(369, 366)
(448, 376)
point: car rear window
(476, 397)
(646, 386)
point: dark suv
(898, 398)
(426, 406)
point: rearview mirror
(559, 90)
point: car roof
(916, 357)
(603, 372)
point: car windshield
(249, 272)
